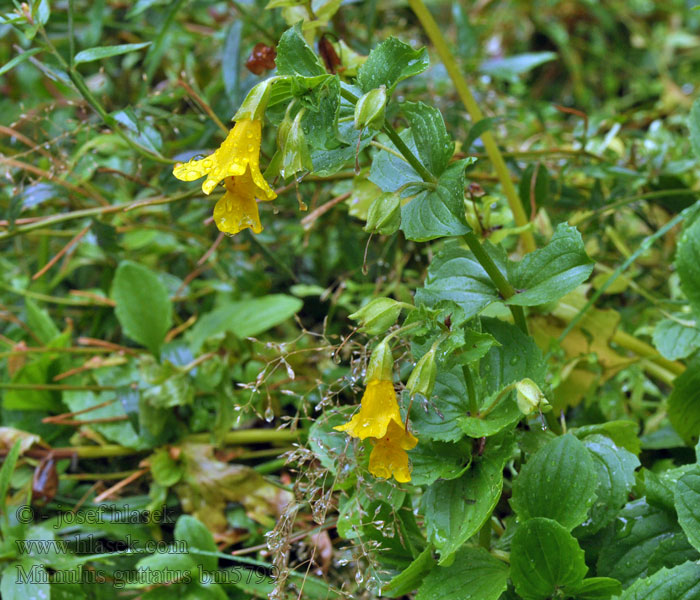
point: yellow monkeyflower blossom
(379, 419)
(237, 208)
(237, 163)
(389, 456)
(378, 408)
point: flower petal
(236, 209)
(389, 456)
(240, 149)
(264, 191)
(378, 408)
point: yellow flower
(378, 408)
(237, 162)
(389, 455)
(237, 208)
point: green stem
(408, 155)
(244, 436)
(504, 287)
(485, 535)
(55, 387)
(431, 28)
(270, 466)
(71, 36)
(90, 212)
(471, 392)
(248, 436)
(403, 329)
(405, 151)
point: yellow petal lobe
(379, 407)
(239, 150)
(237, 209)
(389, 455)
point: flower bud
(384, 215)
(422, 378)
(369, 110)
(295, 151)
(381, 364)
(378, 315)
(255, 103)
(529, 396)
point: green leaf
(8, 467)
(295, 56)
(645, 538)
(675, 339)
(437, 419)
(595, 588)
(245, 318)
(431, 461)
(455, 275)
(684, 402)
(143, 309)
(332, 448)
(32, 399)
(557, 482)
(101, 52)
(389, 63)
(398, 550)
(455, 510)
(11, 64)
(435, 146)
(437, 212)
(412, 576)
(165, 470)
(694, 126)
(687, 263)
(320, 124)
(474, 574)
(680, 583)
(544, 557)
(687, 502)
(477, 130)
(121, 432)
(515, 357)
(509, 67)
(198, 537)
(615, 469)
(551, 272)
(40, 322)
(138, 128)
(623, 433)
(658, 488)
(25, 580)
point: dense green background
(203, 361)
